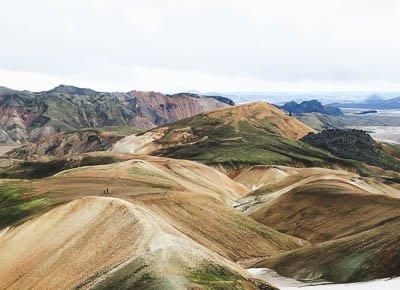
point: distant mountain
(373, 102)
(312, 106)
(66, 144)
(28, 116)
(374, 98)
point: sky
(209, 46)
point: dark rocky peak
(64, 89)
(312, 106)
(312, 103)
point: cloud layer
(206, 45)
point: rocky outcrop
(28, 116)
(353, 144)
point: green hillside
(232, 139)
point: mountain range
(28, 116)
(373, 102)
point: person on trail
(107, 190)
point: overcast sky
(233, 45)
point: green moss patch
(248, 224)
(214, 277)
(135, 275)
(14, 207)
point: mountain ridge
(27, 116)
(234, 137)
(373, 102)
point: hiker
(107, 190)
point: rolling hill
(323, 206)
(368, 255)
(347, 220)
(262, 216)
(142, 203)
(149, 254)
(132, 217)
(236, 137)
(196, 199)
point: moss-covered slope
(234, 137)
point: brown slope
(218, 227)
(326, 211)
(254, 113)
(74, 245)
(323, 206)
(66, 144)
(194, 198)
(261, 178)
(172, 108)
(351, 221)
(259, 115)
(371, 254)
(162, 174)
